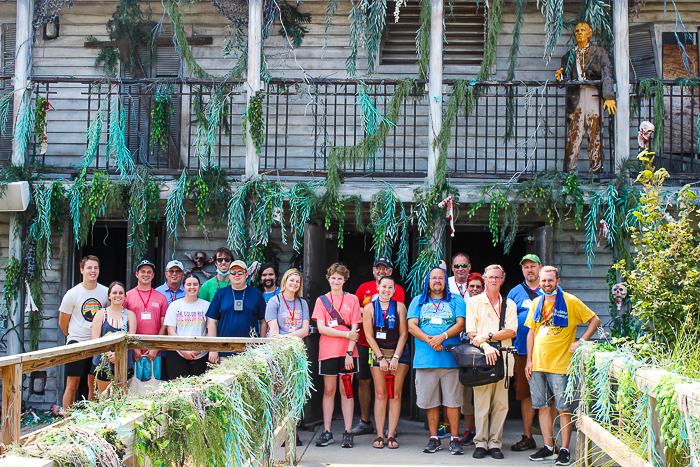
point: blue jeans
(544, 386)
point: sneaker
(363, 428)
(348, 440)
(564, 457)
(433, 445)
(496, 453)
(524, 444)
(444, 431)
(456, 447)
(324, 439)
(467, 438)
(543, 454)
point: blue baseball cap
(385, 261)
(145, 262)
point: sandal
(378, 442)
(392, 443)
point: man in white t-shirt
(77, 309)
(461, 267)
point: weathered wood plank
(610, 444)
(215, 344)
(11, 403)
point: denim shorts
(544, 386)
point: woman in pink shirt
(338, 317)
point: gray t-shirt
(82, 304)
(289, 316)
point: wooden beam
(11, 403)
(215, 344)
(437, 13)
(16, 461)
(622, 77)
(612, 446)
(201, 40)
(121, 351)
(255, 13)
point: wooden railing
(646, 380)
(14, 366)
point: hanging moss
(293, 22)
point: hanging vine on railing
(423, 40)
(5, 102)
(181, 43)
(144, 208)
(302, 201)
(253, 117)
(23, 125)
(653, 89)
(116, 140)
(174, 209)
(389, 224)
(293, 22)
(160, 117)
(41, 109)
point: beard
(268, 282)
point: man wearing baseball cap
(365, 293)
(150, 306)
(172, 288)
(523, 295)
(236, 311)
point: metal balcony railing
(305, 119)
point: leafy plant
(160, 117)
(254, 118)
(293, 22)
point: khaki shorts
(520, 382)
(431, 383)
(468, 401)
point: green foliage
(5, 102)
(130, 23)
(423, 40)
(12, 285)
(160, 117)
(597, 14)
(515, 44)
(489, 60)
(174, 209)
(653, 89)
(366, 28)
(553, 12)
(665, 281)
(302, 201)
(389, 224)
(23, 124)
(181, 43)
(254, 117)
(41, 108)
(293, 22)
(108, 57)
(116, 140)
(143, 208)
(675, 440)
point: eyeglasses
(223, 260)
(173, 272)
(494, 278)
(238, 273)
(461, 266)
(437, 279)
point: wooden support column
(622, 79)
(121, 352)
(435, 84)
(252, 161)
(11, 403)
(23, 68)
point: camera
(238, 305)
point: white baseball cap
(175, 263)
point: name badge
(381, 335)
(332, 323)
(436, 320)
(543, 331)
(146, 315)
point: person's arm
(303, 331)
(593, 324)
(63, 322)
(211, 332)
(530, 346)
(403, 336)
(349, 362)
(274, 328)
(367, 317)
(263, 328)
(96, 330)
(332, 332)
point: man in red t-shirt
(382, 267)
(149, 305)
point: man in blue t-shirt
(268, 281)
(523, 295)
(436, 319)
(236, 311)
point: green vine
(41, 109)
(389, 224)
(653, 89)
(144, 208)
(160, 117)
(293, 22)
(181, 43)
(676, 444)
(253, 116)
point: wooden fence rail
(14, 366)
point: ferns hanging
(116, 140)
(174, 209)
(553, 12)
(386, 223)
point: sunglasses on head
(223, 260)
(461, 266)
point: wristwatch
(490, 335)
(350, 354)
(380, 358)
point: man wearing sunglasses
(461, 267)
(222, 258)
(236, 311)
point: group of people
(364, 335)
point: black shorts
(79, 368)
(364, 374)
(335, 366)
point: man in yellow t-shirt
(553, 321)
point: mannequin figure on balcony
(590, 63)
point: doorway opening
(107, 241)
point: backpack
(474, 370)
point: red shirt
(365, 292)
(148, 317)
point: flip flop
(378, 442)
(392, 443)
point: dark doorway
(479, 246)
(108, 242)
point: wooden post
(435, 84)
(23, 67)
(11, 403)
(252, 161)
(622, 78)
(121, 352)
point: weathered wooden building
(311, 105)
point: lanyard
(437, 307)
(218, 286)
(547, 312)
(385, 312)
(341, 305)
(459, 289)
(292, 312)
(172, 297)
(497, 311)
(145, 303)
